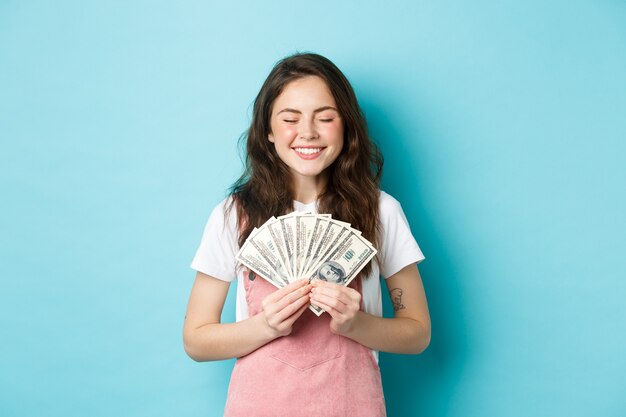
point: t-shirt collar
(298, 206)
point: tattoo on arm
(396, 299)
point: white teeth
(307, 151)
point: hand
(342, 303)
(283, 307)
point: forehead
(305, 94)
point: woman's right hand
(283, 307)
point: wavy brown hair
(265, 187)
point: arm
(206, 338)
(407, 332)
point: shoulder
(390, 213)
(398, 247)
(216, 254)
(387, 204)
(225, 207)
(224, 214)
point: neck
(307, 189)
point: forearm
(217, 341)
(396, 335)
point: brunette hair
(264, 189)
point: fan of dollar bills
(305, 245)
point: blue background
(503, 126)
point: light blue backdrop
(503, 126)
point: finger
(335, 303)
(337, 293)
(320, 283)
(334, 313)
(291, 297)
(281, 292)
(296, 315)
(349, 292)
(286, 312)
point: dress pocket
(310, 343)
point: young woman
(308, 149)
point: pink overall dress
(311, 372)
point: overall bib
(311, 372)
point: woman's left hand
(342, 303)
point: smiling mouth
(308, 151)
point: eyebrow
(321, 109)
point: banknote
(319, 230)
(265, 244)
(277, 238)
(346, 260)
(288, 227)
(306, 245)
(253, 260)
(331, 238)
(261, 259)
(304, 231)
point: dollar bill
(288, 227)
(255, 261)
(277, 237)
(308, 245)
(345, 262)
(331, 238)
(265, 244)
(319, 229)
(256, 255)
(304, 230)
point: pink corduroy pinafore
(311, 372)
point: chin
(310, 174)
(307, 172)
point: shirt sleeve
(398, 246)
(218, 247)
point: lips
(308, 152)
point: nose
(307, 130)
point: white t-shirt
(216, 254)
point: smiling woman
(307, 131)
(307, 102)
(308, 149)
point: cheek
(282, 132)
(335, 132)
(285, 133)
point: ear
(270, 137)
